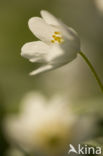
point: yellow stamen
(52, 41)
(59, 40)
(56, 32)
(54, 37)
(57, 37)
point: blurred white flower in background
(44, 126)
(99, 4)
(59, 43)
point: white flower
(43, 126)
(99, 4)
(59, 43)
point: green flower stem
(93, 70)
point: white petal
(42, 69)
(68, 32)
(55, 52)
(35, 51)
(32, 103)
(49, 18)
(62, 54)
(41, 29)
(71, 38)
(70, 48)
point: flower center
(57, 37)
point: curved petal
(62, 54)
(42, 69)
(69, 32)
(71, 38)
(55, 52)
(49, 18)
(41, 29)
(35, 51)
